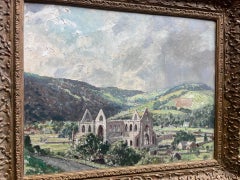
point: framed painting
(119, 89)
(102, 104)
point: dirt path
(65, 165)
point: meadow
(51, 142)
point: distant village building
(136, 132)
(183, 145)
(186, 145)
(186, 124)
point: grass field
(194, 157)
(172, 129)
(37, 139)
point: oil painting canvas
(106, 89)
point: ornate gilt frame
(226, 163)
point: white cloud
(128, 49)
(48, 13)
(84, 42)
(38, 52)
(129, 80)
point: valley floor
(56, 148)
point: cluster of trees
(65, 129)
(92, 148)
(185, 110)
(183, 136)
(32, 149)
(165, 120)
(68, 130)
(120, 154)
(203, 117)
(28, 144)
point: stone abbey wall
(137, 132)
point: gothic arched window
(126, 127)
(135, 127)
(146, 139)
(130, 128)
(137, 142)
(83, 128)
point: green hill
(66, 100)
(188, 102)
(48, 98)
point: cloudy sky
(125, 50)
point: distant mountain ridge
(60, 99)
(63, 99)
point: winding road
(65, 165)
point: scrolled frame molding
(227, 162)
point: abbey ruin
(137, 132)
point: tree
(183, 136)
(27, 141)
(157, 105)
(205, 139)
(177, 156)
(91, 147)
(69, 128)
(57, 126)
(28, 144)
(37, 148)
(122, 155)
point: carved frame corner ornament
(226, 163)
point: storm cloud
(125, 50)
